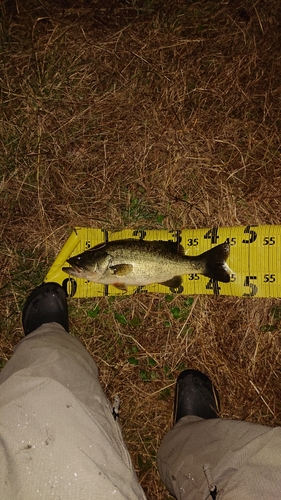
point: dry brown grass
(117, 114)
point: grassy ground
(144, 114)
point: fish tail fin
(216, 267)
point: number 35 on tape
(254, 260)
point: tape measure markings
(254, 259)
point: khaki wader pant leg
(244, 458)
(59, 440)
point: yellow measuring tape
(254, 260)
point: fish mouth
(73, 270)
(80, 272)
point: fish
(142, 262)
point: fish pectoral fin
(121, 269)
(120, 286)
(175, 282)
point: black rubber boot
(46, 304)
(195, 395)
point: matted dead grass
(144, 114)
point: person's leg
(58, 435)
(241, 459)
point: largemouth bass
(140, 263)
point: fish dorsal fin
(173, 246)
(121, 269)
(175, 282)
